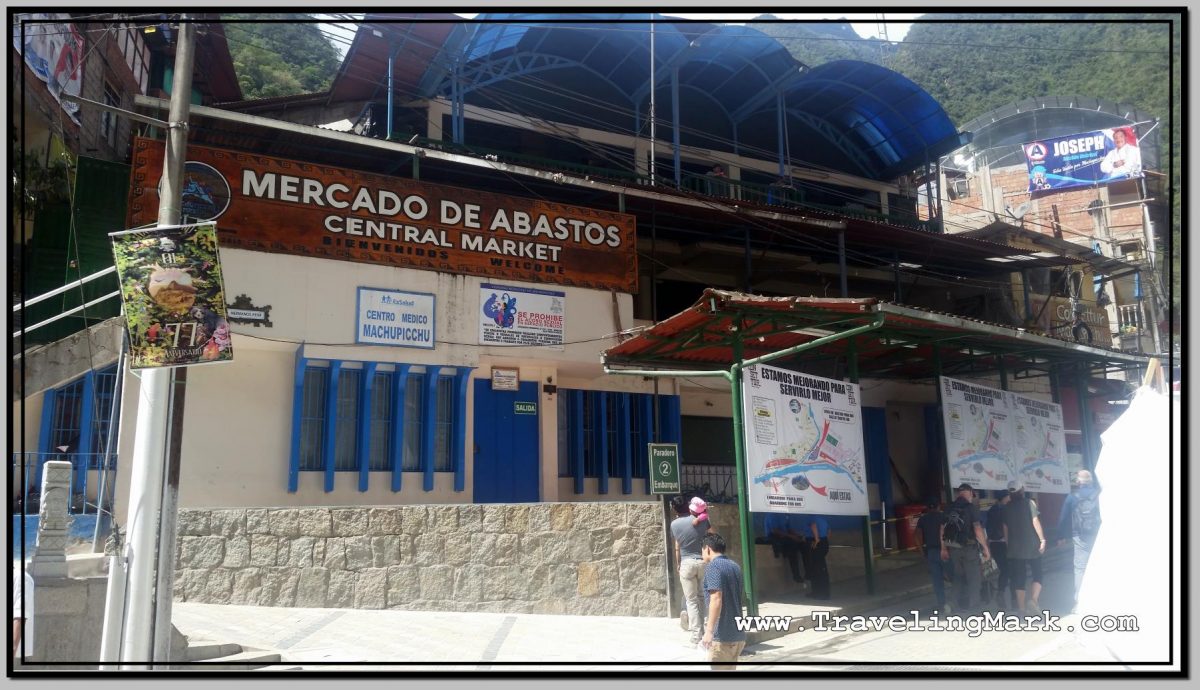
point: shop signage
(241, 310)
(664, 468)
(290, 207)
(392, 317)
(521, 317)
(524, 407)
(1083, 322)
(173, 295)
(994, 437)
(804, 443)
(505, 379)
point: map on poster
(978, 423)
(804, 443)
(1039, 444)
(517, 316)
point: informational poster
(1039, 445)
(517, 316)
(174, 296)
(393, 317)
(978, 423)
(1083, 159)
(804, 443)
(53, 50)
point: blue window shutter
(331, 397)
(80, 452)
(462, 378)
(601, 431)
(364, 425)
(297, 407)
(399, 383)
(429, 425)
(49, 401)
(577, 438)
(625, 438)
(647, 411)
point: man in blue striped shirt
(723, 590)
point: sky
(864, 24)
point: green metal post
(416, 165)
(868, 547)
(1003, 372)
(1085, 418)
(947, 490)
(739, 455)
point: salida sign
(277, 205)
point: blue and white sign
(1085, 159)
(522, 317)
(392, 317)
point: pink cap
(697, 506)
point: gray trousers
(1083, 551)
(968, 573)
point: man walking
(1026, 543)
(1082, 509)
(932, 543)
(723, 588)
(687, 537)
(964, 537)
(816, 568)
(998, 544)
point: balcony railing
(87, 468)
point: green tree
(280, 58)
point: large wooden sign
(277, 205)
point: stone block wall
(565, 558)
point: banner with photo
(521, 316)
(804, 443)
(174, 296)
(1039, 445)
(1085, 159)
(53, 49)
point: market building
(424, 265)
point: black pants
(999, 551)
(818, 572)
(791, 550)
(1016, 572)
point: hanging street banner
(515, 316)
(392, 317)
(174, 296)
(291, 207)
(1039, 444)
(53, 50)
(804, 443)
(1085, 159)
(978, 423)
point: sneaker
(683, 619)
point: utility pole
(150, 436)
(653, 118)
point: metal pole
(868, 548)
(675, 122)
(149, 443)
(165, 582)
(114, 600)
(1085, 422)
(391, 60)
(842, 262)
(945, 461)
(652, 114)
(739, 455)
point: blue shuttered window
(618, 450)
(378, 427)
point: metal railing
(713, 483)
(26, 480)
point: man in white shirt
(22, 612)
(1125, 160)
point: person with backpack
(1026, 544)
(931, 542)
(1082, 509)
(965, 540)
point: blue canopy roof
(593, 70)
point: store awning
(901, 342)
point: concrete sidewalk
(343, 638)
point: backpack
(958, 523)
(1086, 514)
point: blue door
(507, 444)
